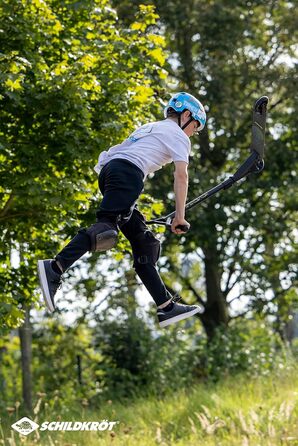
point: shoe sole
(44, 286)
(180, 317)
(106, 240)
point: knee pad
(145, 248)
(103, 236)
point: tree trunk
(26, 357)
(283, 310)
(79, 368)
(216, 312)
(2, 380)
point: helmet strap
(187, 123)
(179, 119)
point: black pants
(121, 183)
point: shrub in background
(248, 345)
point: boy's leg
(138, 234)
(101, 236)
(50, 270)
(120, 183)
(146, 251)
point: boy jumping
(122, 171)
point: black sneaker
(177, 313)
(50, 281)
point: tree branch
(100, 303)
(194, 291)
(188, 284)
(234, 298)
(232, 269)
(199, 255)
(240, 314)
(7, 205)
(276, 103)
(229, 289)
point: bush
(138, 361)
(124, 358)
(249, 346)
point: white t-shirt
(150, 147)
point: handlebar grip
(183, 228)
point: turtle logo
(25, 426)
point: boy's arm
(180, 189)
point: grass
(237, 411)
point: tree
(26, 358)
(73, 82)
(228, 54)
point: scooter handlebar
(183, 228)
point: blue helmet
(184, 101)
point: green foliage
(135, 358)
(137, 361)
(56, 349)
(249, 347)
(10, 379)
(123, 358)
(66, 378)
(72, 83)
(247, 410)
(228, 54)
